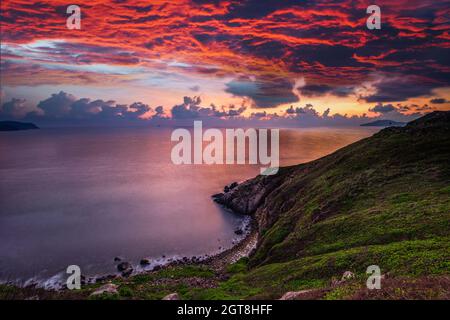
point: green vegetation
(384, 200)
(156, 285)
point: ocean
(83, 196)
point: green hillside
(384, 200)
(391, 188)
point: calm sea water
(86, 195)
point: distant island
(384, 123)
(16, 125)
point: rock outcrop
(294, 295)
(172, 296)
(108, 288)
(125, 268)
(248, 198)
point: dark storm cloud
(264, 92)
(439, 101)
(327, 55)
(58, 105)
(317, 90)
(380, 108)
(391, 89)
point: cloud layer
(65, 108)
(259, 47)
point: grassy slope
(388, 188)
(384, 200)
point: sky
(292, 63)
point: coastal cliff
(390, 190)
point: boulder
(247, 196)
(172, 296)
(109, 288)
(347, 275)
(294, 295)
(125, 268)
(127, 273)
(145, 262)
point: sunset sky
(230, 59)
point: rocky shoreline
(218, 261)
(242, 249)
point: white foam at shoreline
(58, 281)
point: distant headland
(384, 123)
(16, 125)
